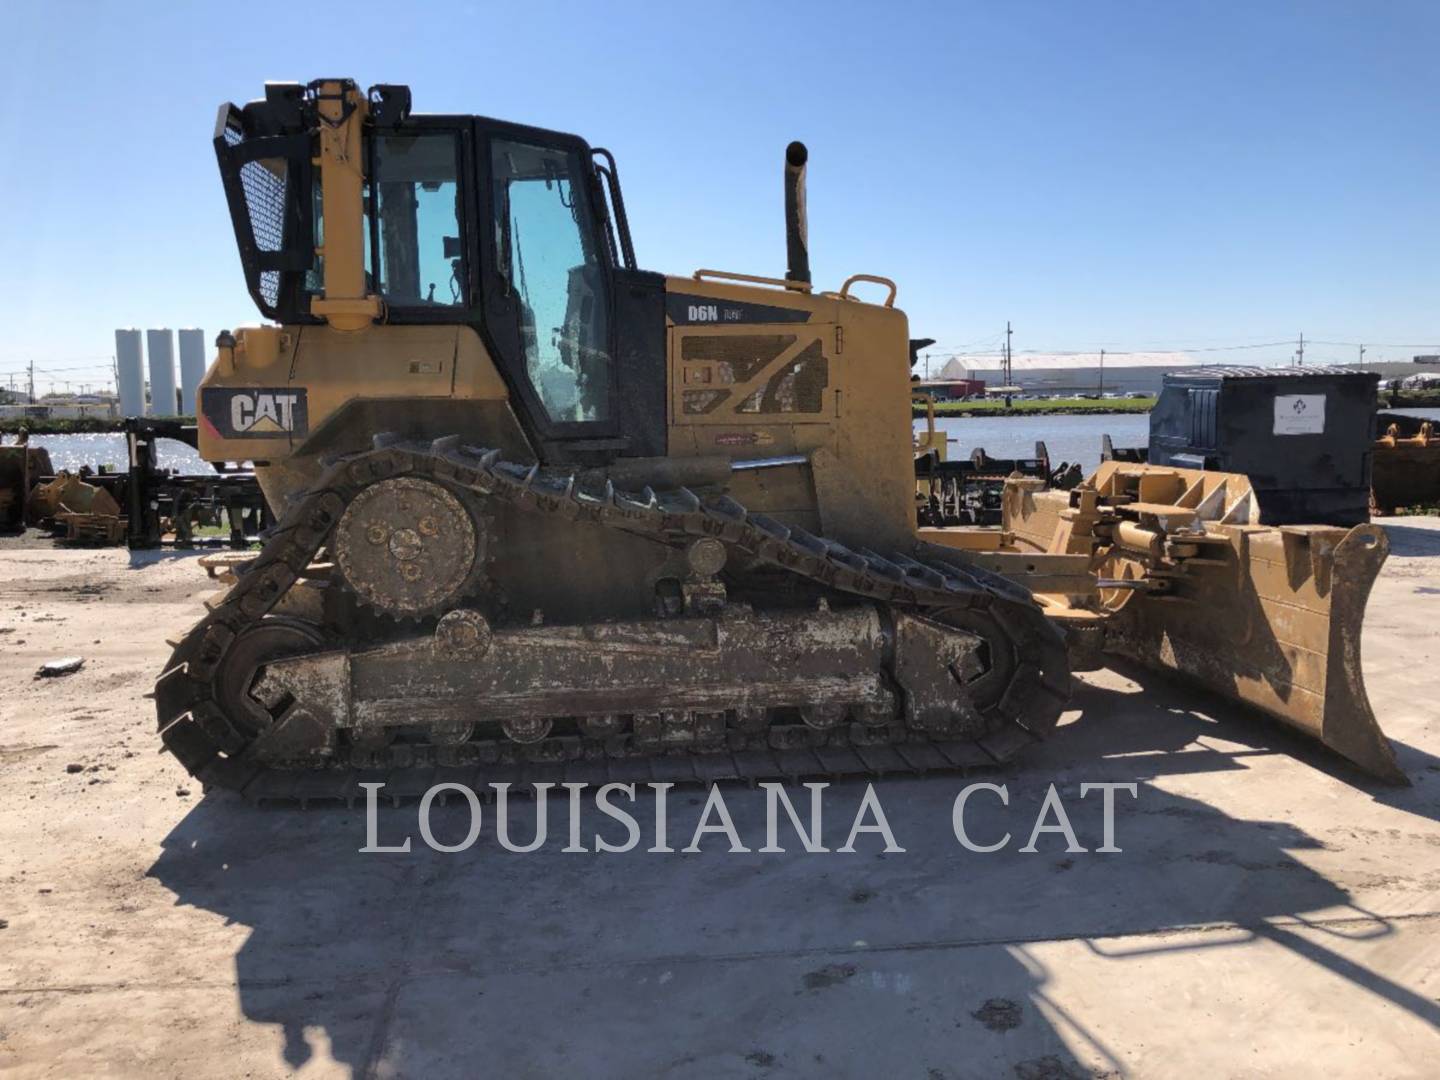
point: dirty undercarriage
(865, 664)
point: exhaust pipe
(797, 239)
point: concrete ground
(1271, 914)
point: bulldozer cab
(435, 274)
(449, 220)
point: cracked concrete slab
(1271, 913)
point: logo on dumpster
(1299, 414)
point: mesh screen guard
(267, 181)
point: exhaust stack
(797, 239)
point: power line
(1290, 343)
(1367, 345)
(54, 371)
(1114, 352)
(1007, 377)
(97, 357)
(1175, 348)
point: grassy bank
(1028, 407)
(1408, 399)
(89, 425)
(1411, 399)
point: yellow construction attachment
(87, 513)
(69, 494)
(1186, 580)
(20, 464)
(932, 439)
(1405, 469)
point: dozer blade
(1185, 580)
(1272, 616)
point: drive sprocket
(409, 547)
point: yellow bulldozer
(544, 514)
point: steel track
(195, 728)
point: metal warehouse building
(1073, 373)
(1124, 373)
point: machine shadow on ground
(735, 964)
(1164, 714)
(1409, 541)
(139, 559)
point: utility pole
(1102, 373)
(1007, 376)
(1300, 353)
(1362, 354)
(32, 382)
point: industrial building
(63, 407)
(1069, 374)
(949, 389)
(1422, 366)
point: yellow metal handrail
(728, 275)
(875, 279)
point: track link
(196, 729)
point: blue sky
(1132, 175)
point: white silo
(130, 372)
(192, 368)
(160, 346)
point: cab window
(548, 258)
(419, 252)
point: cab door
(547, 289)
